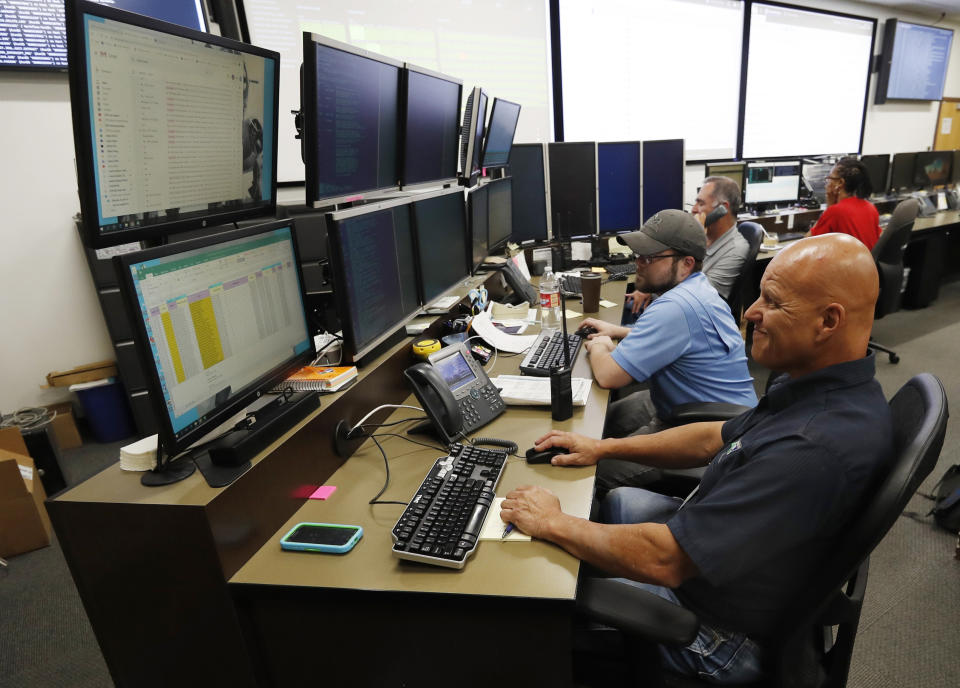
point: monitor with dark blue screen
(618, 186)
(431, 127)
(440, 227)
(662, 176)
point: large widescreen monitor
(499, 213)
(786, 46)
(662, 176)
(932, 168)
(627, 78)
(440, 228)
(218, 321)
(431, 127)
(528, 172)
(878, 168)
(573, 189)
(618, 186)
(373, 266)
(173, 129)
(504, 116)
(351, 122)
(913, 61)
(33, 34)
(772, 182)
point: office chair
(888, 254)
(815, 642)
(741, 294)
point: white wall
(49, 315)
(48, 308)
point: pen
(506, 531)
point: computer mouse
(585, 331)
(533, 456)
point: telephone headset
(715, 215)
(456, 394)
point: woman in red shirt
(848, 211)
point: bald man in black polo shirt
(782, 480)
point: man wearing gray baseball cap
(686, 344)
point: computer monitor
(815, 177)
(573, 189)
(477, 207)
(471, 136)
(772, 182)
(529, 203)
(730, 170)
(932, 168)
(955, 168)
(218, 321)
(901, 171)
(662, 176)
(351, 113)
(500, 130)
(440, 228)
(878, 166)
(373, 267)
(431, 127)
(913, 61)
(499, 213)
(173, 129)
(618, 186)
(33, 34)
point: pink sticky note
(323, 492)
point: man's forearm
(645, 552)
(685, 446)
(607, 372)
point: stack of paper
(139, 456)
(525, 390)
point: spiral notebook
(319, 378)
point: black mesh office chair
(741, 294)
(888, 254)
(815, 642)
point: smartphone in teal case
(333, 538)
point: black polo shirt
(791, 473)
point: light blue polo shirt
(689, 348)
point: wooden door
(947, 136)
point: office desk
(151, 564)
(382, 621)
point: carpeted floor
(907, 635)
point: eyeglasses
(647, 260)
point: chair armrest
(636, 611)
(698, 411)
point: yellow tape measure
(425, 347)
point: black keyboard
(620, 271)
(571, 284)
(442, 522)
(547, 352)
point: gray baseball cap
(668, 229)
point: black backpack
(946, 500)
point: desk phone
(455, 392)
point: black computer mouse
(585, 331)
(533, 456)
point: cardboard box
(24, 525)
(64, 426)
(84, 373)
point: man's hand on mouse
(605, 329)
(581, 450)
(530, 509)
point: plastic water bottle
(549, 301)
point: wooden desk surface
(509, 569)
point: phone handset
(437, 400)
(714, 215)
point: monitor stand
(169, 473)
